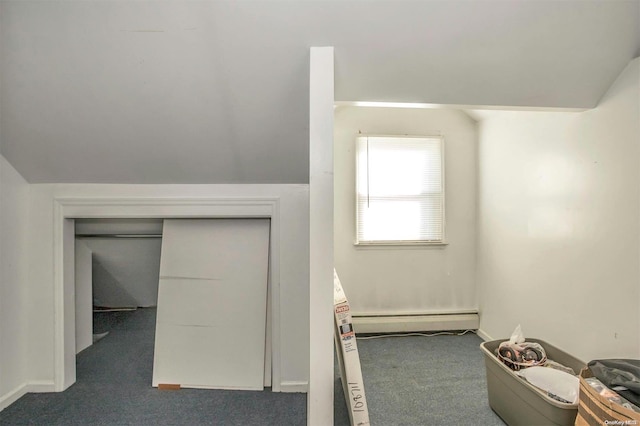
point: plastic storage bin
(518, 402)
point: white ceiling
(217, 92)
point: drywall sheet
(212, 299)
(348, 357)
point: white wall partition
(559, 220)
(84, 296)
(286, 205)
(14, 214)
(320, 398)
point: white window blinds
(400, 191)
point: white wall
(294, 266)
(83, 296)
(390, 280)
(321, 122)
(126, 271)
(14, 208)
(559, 222)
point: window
(400, 190)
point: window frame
(400, 243)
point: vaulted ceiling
(217, 91)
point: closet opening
(68, 210)
(206, 273)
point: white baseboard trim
(294, 387)
(484, 336)
(41, 386)
(12, 396)
(36, 386)
(415, 323)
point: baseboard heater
(364, 324)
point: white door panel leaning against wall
(212, 299)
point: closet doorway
(202, 284)
(70, 210)
(117, 264)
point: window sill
(400, 244)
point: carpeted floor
(114, 388)
(420, 380)
(408, 381)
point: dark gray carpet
(114, 388)
(422, 381)
(408, 381)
